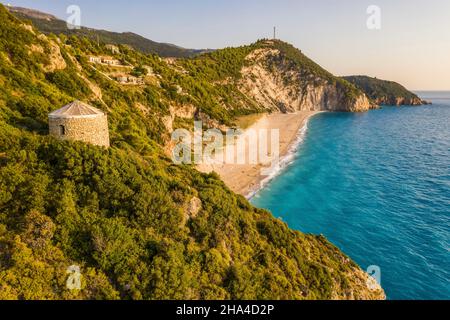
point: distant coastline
(433, 94)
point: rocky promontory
(281, 78)
(387, 93)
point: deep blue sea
(377, 185)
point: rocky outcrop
(189, 111)
(192, 209)
(53, 52)
(181, 111)
(278, 85)
(400, 101)
(387, 93)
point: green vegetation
(294, 58)
(122, 219)
(123, 214)
(51, 25)
(384, 92)
(139, 71)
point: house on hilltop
(79, 121)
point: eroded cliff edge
(387, 93)
(281, 78)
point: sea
(377, 185)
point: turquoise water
(377, 185)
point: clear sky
(412, 46)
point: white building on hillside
(93, 59)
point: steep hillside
(138, 226)
(384, 92)
(278, 77)
(50, 24)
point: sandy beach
(246, 178)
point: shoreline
(286, 158)
(246, 179)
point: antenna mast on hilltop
(274, 33)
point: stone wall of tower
(93, 130)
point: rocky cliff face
(383, 92)
(399, 101)
(270, 78)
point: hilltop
(138, 226)
(47, 24)
(301, 91)
(383, 92)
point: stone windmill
(80, 122)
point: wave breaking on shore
(285, 160)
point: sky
(412, 46)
